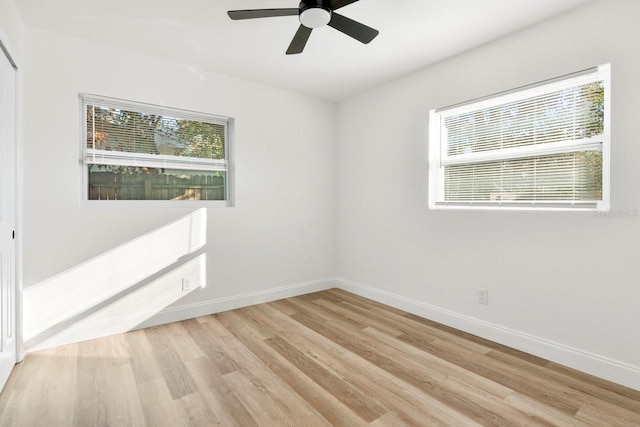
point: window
(135, 151)
(543, 147)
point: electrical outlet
(186, 284)
(483, 296)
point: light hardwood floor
(329, 358)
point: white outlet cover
(483, 296)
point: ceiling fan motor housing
(315, 13)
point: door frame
(12, 55)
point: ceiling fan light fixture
(313, 14)
(315, 17)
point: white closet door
(7, 218)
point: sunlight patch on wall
(126, 313)
(79, 290)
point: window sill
(155, 204)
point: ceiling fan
(313, 14)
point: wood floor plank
(483, 409)
(548, 413)
(182, 342)
(442, 369)
(361, 319)
(195, 411)
(203, 319)
(345, 319)
(630, 394)
(584, 386)
(325, 403)
(603, 413)
(415, 406)
(143, 362)
(388, 420)
(283, 307)
(173, 369)
(450, 333)
(559, 396)
(9, 412)
(422, 330)
(348, 296)
(257, 402)
(210, 346)
(243, 319)
(106, 392)
(359, 303)
(157, 404)
(34, 388)
(263, 379)
(361, 404)
(407, 323)
(326, 358)
(217, 394)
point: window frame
(438, 145)
(159, 160)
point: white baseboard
(600, 366)
(110, 324)
(219, 305)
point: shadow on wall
(119, 289)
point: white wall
(280, 233)
(561, 284)
(11, 27)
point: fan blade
(299, 40)
(354, 29)
(261, 13)
(337, 4)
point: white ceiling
(413, 34)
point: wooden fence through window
(124, 186)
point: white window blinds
(130, 134)
(543, 146)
